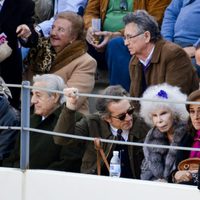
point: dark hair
(102, 103)
(76, 23)
(144, 22)
(193, 97)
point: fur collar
(68, 54)
(159, 161)
(43, 59)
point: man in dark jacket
(115, 120)
(9, 117)
(44, 153)
(17, 24)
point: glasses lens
(122, 117)
(129, 112)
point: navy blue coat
(8, 117)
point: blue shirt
(181, 22)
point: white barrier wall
(52, 185)
(11, 184)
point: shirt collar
(124, 134)
(147, 61)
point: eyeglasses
(122, 116)
(128, 37)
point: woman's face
(60, 35)
(163, 119)
(194, 111)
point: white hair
(163, 92)
(53, 82)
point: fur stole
(68, 54)
(43, 59)
(40, 57)
(159, 162)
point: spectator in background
(9, 117)
(115, 120)
(44, 153)
(43, 10)
(65, 54)
(112, 52)
(192, 140)
(16, 23)
(78, 6)
(181, 26)
(169, 122)
(155, 60)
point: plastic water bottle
(115, 165)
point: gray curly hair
(163, 92)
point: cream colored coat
(79, 73)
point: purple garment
(196, 144)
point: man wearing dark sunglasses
(115, 117)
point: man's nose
(33, 100)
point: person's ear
(107, 119)
(55, 97)
(147, 36)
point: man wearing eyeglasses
(155, 60)
(110, 51)
(115, 120)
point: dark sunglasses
(122, 116)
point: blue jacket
(181, 22)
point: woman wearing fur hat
(193, 140)
(168, 123)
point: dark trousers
(116, 60)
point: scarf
(43, 58)
(68, 54)
(196, 144)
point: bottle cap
(115, 152)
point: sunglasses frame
(122, 116)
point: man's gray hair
(163, 92)
(144, 22)
(53, 82)
(102, 103)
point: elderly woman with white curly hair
(169, 122)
